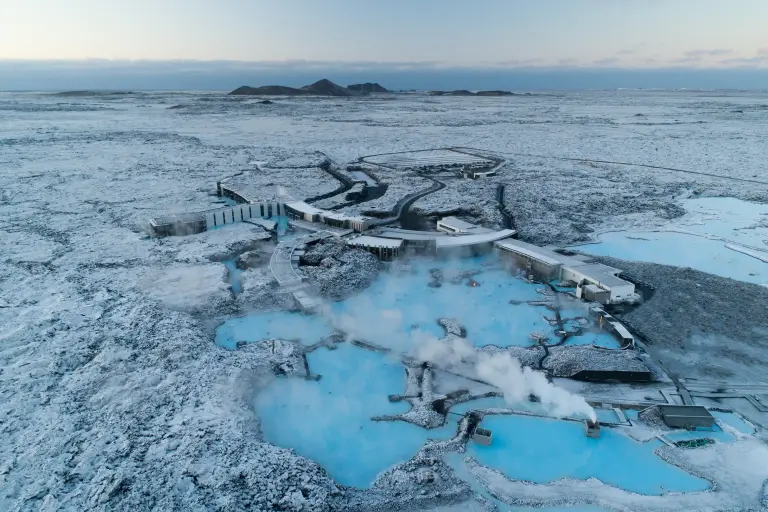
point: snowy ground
(113, 394)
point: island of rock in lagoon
(198, 311)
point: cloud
(688, 60)
(756, 61)
(611, 61)
(762, 51)
(716, 52)
(626, 52)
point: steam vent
(482, 436)
(592, 428)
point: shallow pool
(543, 450)
(484, 309)
(734, 420)
(681, 250)
(329, 421)
(710, 225)
(398, 306)
(456, 462)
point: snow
(113, 392)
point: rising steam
(384, 328)
(505, 372)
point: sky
(45, 41)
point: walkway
(284, 263)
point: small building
(532, 260)
(546, 264)
(482, 436)
(471, 244)
(686, 416)
(475, 173)
(386, 249)
(592, 428)
(306, 303)
(455, 225)
(622, 334)
(178, 225)
(341, 220)
(593, 293)
(303, 211)
(602, 276)
(415, 242)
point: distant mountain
(322, 87)
(268, 90)
(367, 87)
(325, 87)
(494, 93)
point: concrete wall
(540, 270)
(240, 213)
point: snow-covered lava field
(140, 372)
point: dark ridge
(367, 88)
(268, 90)
(494, 93)
(325, 87)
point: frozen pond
(403, 304)
(329, 421)
(543, 450)
(721, 236)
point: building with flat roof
(592, 280)
(455, 225)
(387, 249)
(177, 225)
(304, 211)
(686, 416)
(442, 243)
(475, 243)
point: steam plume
(506, 373)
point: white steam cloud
(505, 372)
(384, 327)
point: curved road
(403, 205)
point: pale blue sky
(613, 33)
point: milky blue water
(399, 305)
(329, 421)
(282, 225)
(497, 402)
(484, 310)
(735, 421)
(543, 450)
(234, 276)
(728, 219)
(601, 339)
(607, 415)
(681, 250)
(456, 462)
